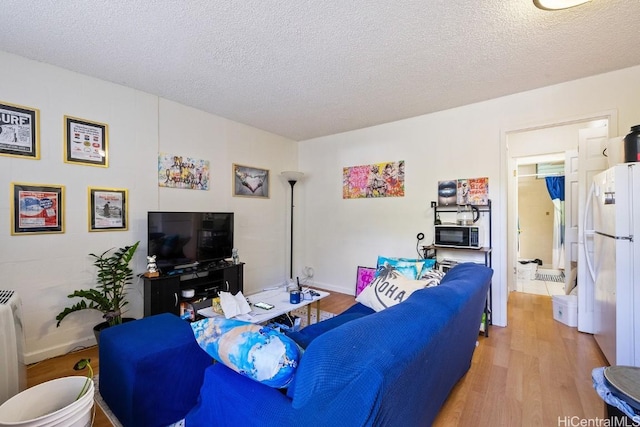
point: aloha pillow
(387, 289)
(410, 268)
(257, 352)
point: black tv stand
(163, 294)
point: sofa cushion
(304, 336)
(257, 352)
(388, 289)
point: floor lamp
(292, 177)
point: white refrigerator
(616, 263)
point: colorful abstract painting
(376, 180)
(182, 172)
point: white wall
(332, 235)
(463, 142)
(44, 269)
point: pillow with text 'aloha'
(387, 289)
(257, 352)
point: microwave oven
(457, 236)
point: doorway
(540, 221)
(556, 137)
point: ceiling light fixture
(558, 4)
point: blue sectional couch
(395, 367)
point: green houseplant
(108, 297)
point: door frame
(507, 224)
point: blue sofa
(395, 367)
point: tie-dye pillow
(255, 351)
(409, 268)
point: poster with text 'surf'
(375, 180)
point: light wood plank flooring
(528, 374)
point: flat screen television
(182, 239)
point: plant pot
(104, 325)
(52, 403)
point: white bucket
(49, 404)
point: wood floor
(535, 372)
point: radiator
(13, 371)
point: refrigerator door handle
(585, 232)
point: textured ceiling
(302, 68)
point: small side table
(624, 384)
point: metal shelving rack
(431, 251)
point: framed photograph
(19, 131)
(364, 277)
(37, 208)
(250, 182)
(108, 209)
(86, 142)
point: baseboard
(332, 288)
(58, 350)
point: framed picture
(250, 182)
(364, 277)
(86, 142)
(37, 208)
(108, 209)
(19, 131)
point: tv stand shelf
(163, 294)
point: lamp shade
(294, 176)
(558, 4)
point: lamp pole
(292, 177)
(291, 183)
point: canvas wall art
(473, 191)
(182, 172)
(464, 191)
(250, 181)
(375, 180)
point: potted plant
(108, 297)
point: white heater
(13, 371)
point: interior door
(571, 219)
(591, 145)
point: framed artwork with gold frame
(86, 142)
(108, 209)
(19, 131)
(37, 208)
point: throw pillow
(387, 289)
(429, 264)
(432, 277)
(410, 268)
(257, 352)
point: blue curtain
(555, 186)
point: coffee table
(279, 298)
